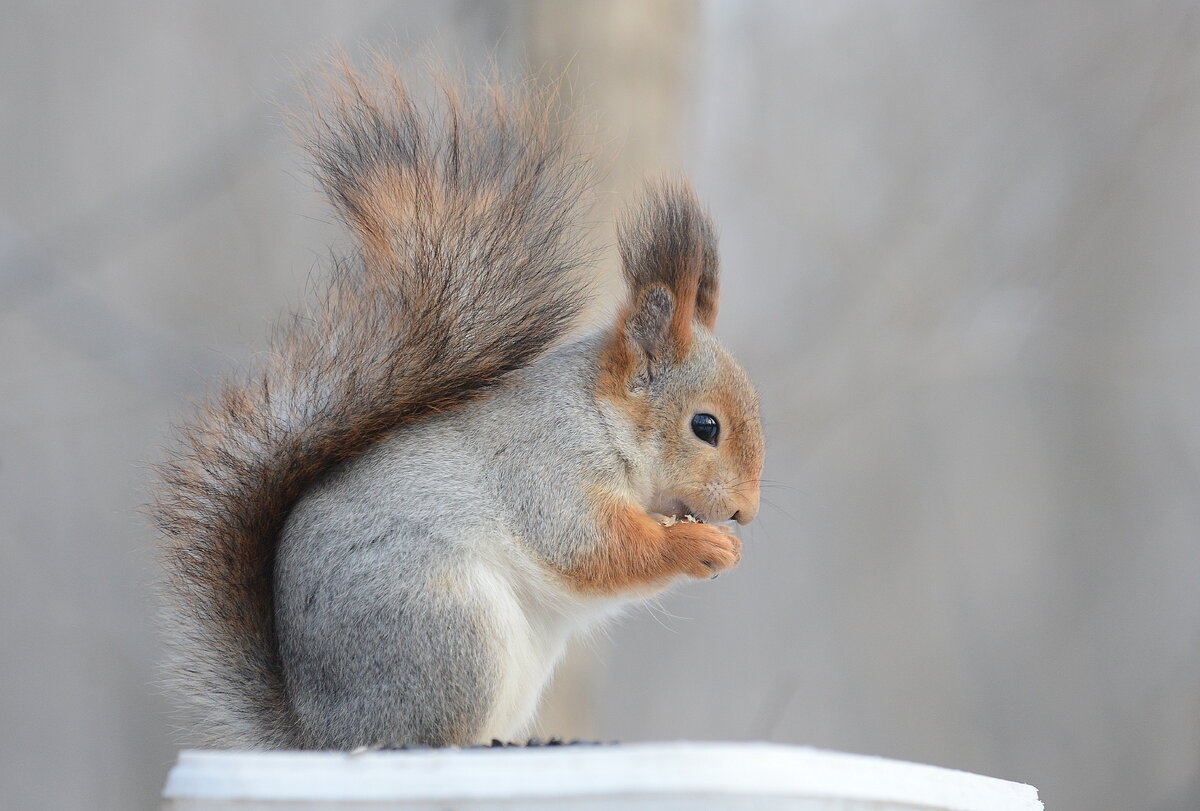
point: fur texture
(465, 223)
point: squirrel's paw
(710, 548)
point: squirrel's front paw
(709, 549)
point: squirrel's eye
(706, 427)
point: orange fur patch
(637, 553)
(685, 311)
(617, 361)
(387, 206)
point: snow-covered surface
(651, 775)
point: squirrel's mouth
(675, 513)
(672, 520)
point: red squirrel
(388, 533)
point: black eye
(706, 427)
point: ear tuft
(669, 241)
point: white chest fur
(530, 619)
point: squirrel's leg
(634, 552)
(374, 660)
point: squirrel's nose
(746, 512)
(744, 516)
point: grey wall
(960, 245)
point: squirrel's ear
(648, 325)
(642, 343)
(669, 242)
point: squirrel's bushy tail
(465, 219)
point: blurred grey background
(960, 249)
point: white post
(645, 776)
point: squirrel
(388, 533)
